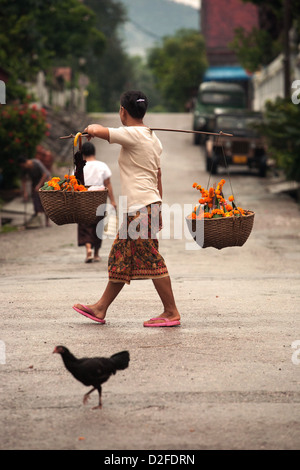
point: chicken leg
(87, 396)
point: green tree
(22, 127)
(261, 45)
(178, 66)
(142, 79)
(281, 129)
(255, 48)
(110, 73)
(36, 33)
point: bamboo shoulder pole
(221, 133)
(191, 132)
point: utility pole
(286, 48)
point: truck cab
(213, 95)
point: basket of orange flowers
(66, 201)
(217, 222)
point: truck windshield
(223, 99)
(237, 122)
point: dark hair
(135, 103)
(88, 149)
(22, 159)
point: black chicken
(93, 371)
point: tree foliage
(178, 66)
(258, 48)
(35, 33)
(255, 48)
(21, 128)
(281, 128)
(109, 73)
(261, 45)
(142, 78)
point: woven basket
(222, 232)
(73, 207)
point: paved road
(228, 378)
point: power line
(144, 30)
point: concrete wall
(268, 83)
(74, 98)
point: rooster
(93, 371)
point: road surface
(228, 378)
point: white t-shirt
(95, 173)
(139, 162)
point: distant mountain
(150, 20)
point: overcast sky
(192, 3)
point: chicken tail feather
(120, 360)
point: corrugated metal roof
(226, 73)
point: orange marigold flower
(195, 185)
(228, 207)
(231, 198)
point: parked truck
(215, 95)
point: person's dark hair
(135, 103)
(22, 160)
(88, 149)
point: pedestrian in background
(96, 173)
(36, 171)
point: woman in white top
(134, 253)
(96, 173)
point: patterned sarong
(134, 253)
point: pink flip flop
(89, 315)
(165, 322)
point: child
(140, 173)
(96, 173)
